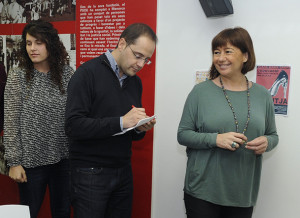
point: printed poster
(277, 80)
(201, 76)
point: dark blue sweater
(95, 103)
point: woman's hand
(17, 173)
(225, 140)
(259, 145)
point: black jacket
(95, 103)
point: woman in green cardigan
(227, 124)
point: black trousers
(57, 178)
(197, 208)
(102, 192)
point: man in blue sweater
(99, 105)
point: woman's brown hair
(239, 38)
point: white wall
(185, 36)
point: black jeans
(197, 208)
(57, 177)
(102, 192)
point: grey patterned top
(34, 119)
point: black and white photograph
(10, 46)
(21, 11)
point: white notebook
(140, 123)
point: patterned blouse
(34, 119)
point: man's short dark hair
(134, 31)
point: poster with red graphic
(277, 80)
(100, 23)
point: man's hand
(133, 117)
(147, 126)
(17, 173)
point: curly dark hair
(46, 33)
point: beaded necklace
(231, 107)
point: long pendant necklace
(231, 107)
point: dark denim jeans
(102, 192)
(57, 177)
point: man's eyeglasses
(140, 57)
